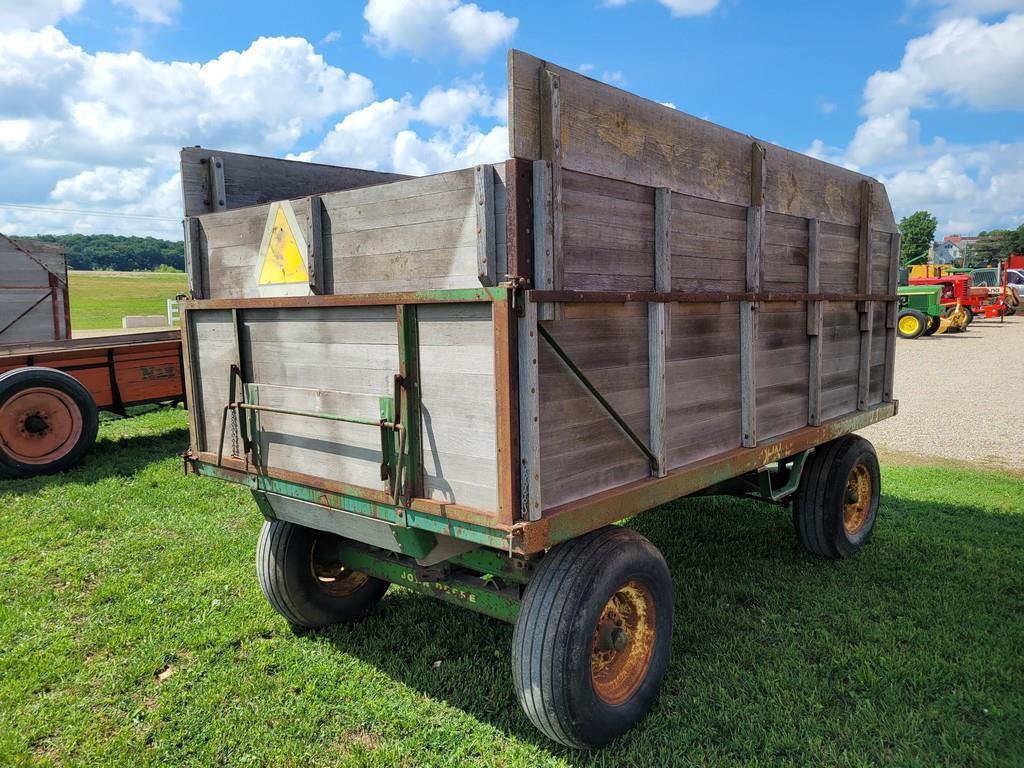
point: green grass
(100, 300)
(132, 632)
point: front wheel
(48, 421)
(910, 324)
(302, 580)
(592, 641)
(835, 506)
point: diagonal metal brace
(589, 386)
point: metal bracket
(764, 477)
(589, 386)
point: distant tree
(166, 268)
(918, 232)
(120, 253)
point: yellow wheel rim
(623, 643)
(909, 325)
(857, 504)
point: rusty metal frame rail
(684, 297)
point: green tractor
(922, 314)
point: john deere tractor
(922, 314)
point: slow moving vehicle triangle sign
(283, 267)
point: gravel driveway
(961, 396)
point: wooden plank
(485, 243)
(867, 308)
(194, 258)
(315, 243)
(749, 309)
(549, 89)
(506, 393)
(251, 180)
(815, 318)
(529, 411)
(659, 328)
(543, 233)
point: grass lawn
(133, 632)
(101, 299)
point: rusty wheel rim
(332, 577)
(623, 643)
(39, 425)
(857, 502)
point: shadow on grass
(777, 656)
(110, 457)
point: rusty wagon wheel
(835, 507)
(302, 580)
(48, 421)
(591, 644)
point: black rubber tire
(13, 382)
(970, 316)
(932, 326)
(921, 320)
(284, 566)
(820, 498)
(552, 641)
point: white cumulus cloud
(425, 27)
(154, 11)
(963, 63)
(35, 14)
(677, 7)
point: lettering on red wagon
(150, 372)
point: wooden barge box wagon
(459, 382)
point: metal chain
(234, 432)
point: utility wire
(112, 214)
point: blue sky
(96, 96)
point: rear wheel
(302, 580)
(970, 316)
(932, 326)
(910, 324)
(835, 507)
(48, 421)
(592, 641)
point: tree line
(918, 232)
(120, 253)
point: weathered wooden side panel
(33, 291)
(782, 368)
(785, 253)
(607, 234)
(708, 245)
(211, 356)
(840, 339)
(703, 382)
(609, 132)
(248, 180)
(458, 404)
(581, 450)
(415, 234)
(341, 360)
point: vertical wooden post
(749, 309)
(891, 311)
(486, 249)
(193, 258)
(519, 218)
(865, 308)
(551, 151)
(529, 412)
(659, 323)
(815, 319)
(315, 243)
(506, 377)
(543, 233)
